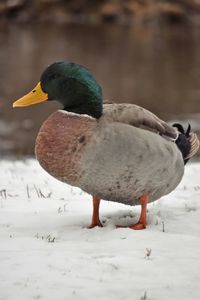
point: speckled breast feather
(60, 145)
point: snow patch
(46, 251)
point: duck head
(69, 83)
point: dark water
(155, 67)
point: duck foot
(137, 226)
(95, 215)
(96, 224)
(141, 224)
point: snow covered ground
(46, 251)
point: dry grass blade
(3, 194)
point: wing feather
(140, 117)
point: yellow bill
(34, 97)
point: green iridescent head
(72, 85)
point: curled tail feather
(194, 143)
(187, 142)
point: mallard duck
(116, 152)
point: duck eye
(52, 76)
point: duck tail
(187, 142)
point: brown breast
(60, 145)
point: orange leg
(95, 214)
(141, 224)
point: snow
(46, 251)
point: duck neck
(82, 98)
(92, 108)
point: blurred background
(141, 51)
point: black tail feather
(187, 142)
